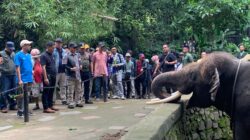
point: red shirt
(139, 67)
(100, 67)
(37, 72)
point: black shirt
(61, 67)
(48, 60)
(170, 57)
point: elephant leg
(242, 132)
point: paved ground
(105, 121)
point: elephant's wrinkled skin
(213, 78)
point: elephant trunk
(169, 79)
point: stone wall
(174, 122)
(201, 124)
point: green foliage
(146, 25)
(42, 20)
(246, 43)
(143, 25)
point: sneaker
(20, 113)
(71, 106)
(79, 105)
(88, 102)
(4, 110)
(97, 99)
(115, 97)
(64, 103)
(123, 98)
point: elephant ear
(215, 84)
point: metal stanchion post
(26, 103)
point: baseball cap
(50, 44)
(72, 45)
(101, 44)
(10, 45)
(60, 40)
(85, 46)
(128, 55)
(25, 42)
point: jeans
(86, 84)
(141, 81)
(9, 82)
(132, 86)
(117, 84)
(101, 82)
(47, 97)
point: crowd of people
(77, 74)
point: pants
(86, 84)
(128, 89)
(132, 86)
(20, 100)
(117, 84)
(140, 82)
(61, 81)
(9, 83)
(74, 87)
(47, 96)
(101, 82)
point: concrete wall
(174, 122)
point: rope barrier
(50, 87)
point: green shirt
(188, 58)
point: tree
(42, 20)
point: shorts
(37, 89)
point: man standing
(73, 67)
(60, 57)
(100, 71)
(188, 58)
(117, 71)
(133, 73)
(23, 62)
(85, 72)
(8, 71)
(129, 68)
(49, 78)
(167, 60)
(242, 52)
(141, 81)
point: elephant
(219, 80)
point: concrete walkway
(105, 121)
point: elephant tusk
(173, 96)
(155, 99)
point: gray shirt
(77, 60)
(129, 66)
(8, 66)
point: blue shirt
(24, 61)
